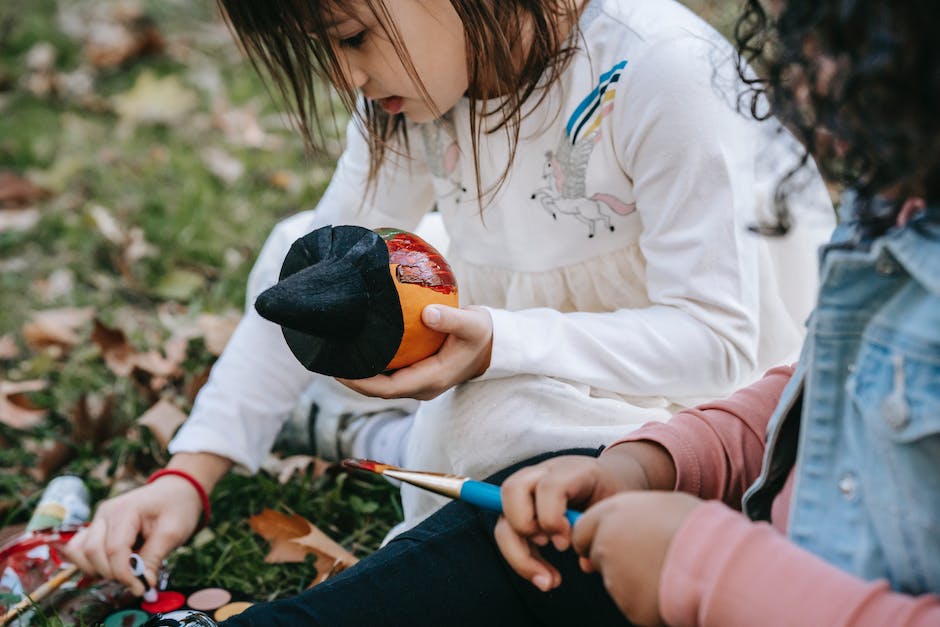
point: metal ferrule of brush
(447, 485)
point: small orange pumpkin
(349, 300)
(422, 277)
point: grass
(98, 157)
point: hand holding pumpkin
(464, 354)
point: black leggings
(445, 571)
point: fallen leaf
(92, 419)
(18, 219)
(123, 359)
(217, 330)
(180, 285)
(15, 409)
(8, 347)
(222, 164)
(56, 327)
(107, 224)
(196, 382)
(154, 100)
(16, 191)
(51, 455)
(293, 537)
(163, 419)
(318, 542)
(113, 44)
(60, 283)
(118, 353)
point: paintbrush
(479, 493)
(39, 593)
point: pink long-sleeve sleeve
(722, 569)
(718, 447)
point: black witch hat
(337, 303)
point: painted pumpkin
(349, 300)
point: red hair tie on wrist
(206, 508)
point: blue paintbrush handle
(486, 495)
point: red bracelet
(206, 508)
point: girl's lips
(392, 104)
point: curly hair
(858, 81)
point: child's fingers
(120, 539)
(524, 558)
(551, 501)
(464, 323)
(518, 492)
(582, 536)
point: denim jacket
(860, 418)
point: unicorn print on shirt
(565, 170)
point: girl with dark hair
(597, 185)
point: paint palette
(217, 603)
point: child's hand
(165, 513)
(465, 354)
(535, 499)
(626, 538)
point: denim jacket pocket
(896, 393)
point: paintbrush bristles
(368, 465)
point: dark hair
(858, 81)
(285, 38)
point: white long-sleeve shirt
(615, 256)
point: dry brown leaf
(195, 384)
(287, 467)
(91, 418)
(273, 525)
(217, 330)
(16, 191)
(117, 351)
(123, 38)
(156, 365)
(293, 537)
(322, 545)
(8, 347)
(51, 455)
(123, 359)
(56, 327)
(163, 419)
(15, 409)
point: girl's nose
(357, 77)
(352, 72)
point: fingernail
(540, 539)
(543, 582)
(560, 542)
(432, 315)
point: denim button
(848, 485)
(896, 412)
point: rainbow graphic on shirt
(594, 108)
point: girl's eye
(354, 41)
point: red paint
(367, 465)
(418, 262)
(167, 601)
